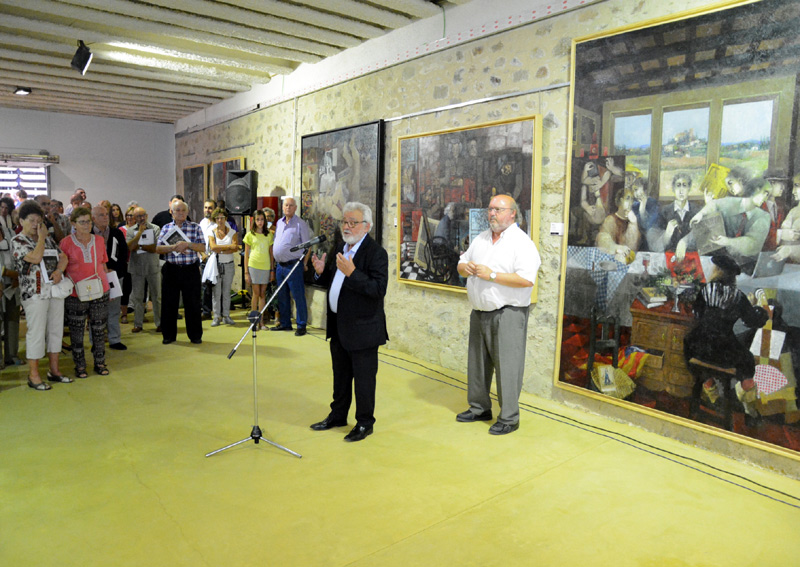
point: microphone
(306, 245)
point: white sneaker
(215, 322)
(228, 320)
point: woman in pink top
(86, 255)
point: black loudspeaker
(240, 191)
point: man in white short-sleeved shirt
(501, 265)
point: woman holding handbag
(86, 267)
(40, 265)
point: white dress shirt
(338, 278)
(513, 253)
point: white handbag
(90, 288)
(62, 289)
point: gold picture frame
(612, 304)
(445, 182)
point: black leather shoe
(328, 423)
(118, 346)
(279, 328)
(167, 341)
(300, 331)
(469, 415)
(358, 433)
(197, 341)
(503, 428)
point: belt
(192, 265)
(287, 264)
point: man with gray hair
(500, 265)
(356, 278)
(291, 230)
(144, 269)
(180, 275)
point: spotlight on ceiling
(22, 91)
(82, 58)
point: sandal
(81, 373)
(41, 386)
(59, 378)
(102, 370)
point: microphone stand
(255, 320)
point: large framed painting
(680, 288)
(194, 190)
(340, 166)
(219, 170)
(446, 180)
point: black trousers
(177, 281)
(350, 367)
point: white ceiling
(161, 60)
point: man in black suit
(356, 283)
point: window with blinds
(34, 180)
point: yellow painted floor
(112, 471)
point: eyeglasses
(499, 209)
(351, 224)
(83, 222)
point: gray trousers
(114, 313)
(221, 292)
(497, 345)
(139, 300)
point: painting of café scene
(682, 273)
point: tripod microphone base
(256, 436)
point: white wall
(118, 160)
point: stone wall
(429, 323)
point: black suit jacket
(120, 264)
(360, 322)
(668, 213)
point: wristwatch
(493, 276)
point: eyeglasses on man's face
(351, 224)
(498, 209)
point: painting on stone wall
(445, 182)
(681, 266)
(194, 190)
(219, 169)
(339, 166)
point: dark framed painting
(681, 262)
(219, 170)
(340, 166)
(446, 180)
(194, 190)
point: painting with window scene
(680, 291)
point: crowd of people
(63, 267)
